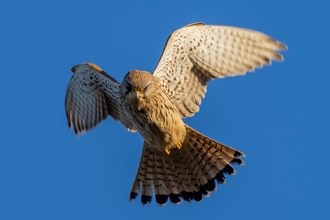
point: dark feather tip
(145, 199)
(198, 196)
(187, 196)
(133, 196)
(220, 178)
(237, 154)
(228, 170)
(209, 186)
(204, 192)
(161, 199)
(175, 198)
(237, 161)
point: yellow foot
(178, 145)
(167, 151)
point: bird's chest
(157, 120)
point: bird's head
(137, 85)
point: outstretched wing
(198, 53)
(91, 96)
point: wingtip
(73, 69)
(195, 24)
(239, 154)
(282, 46)
(229, 170)
(237, 161)
(69, 125)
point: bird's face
(137, 85)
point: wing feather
(91, 96)
(198, 53)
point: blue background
(278, 116)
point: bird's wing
(91, 96)
(198, 53)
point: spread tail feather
(188, 173)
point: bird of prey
(177, 162)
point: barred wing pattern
(91, 96)
(198, 53)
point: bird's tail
(188, 173)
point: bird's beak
(136, 94)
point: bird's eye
(145, 88)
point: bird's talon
(178, 145)
(167, 151)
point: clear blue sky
(278, 116)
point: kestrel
(177, 162)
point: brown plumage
(177, 162)
(188, 173)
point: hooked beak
(136, 94)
